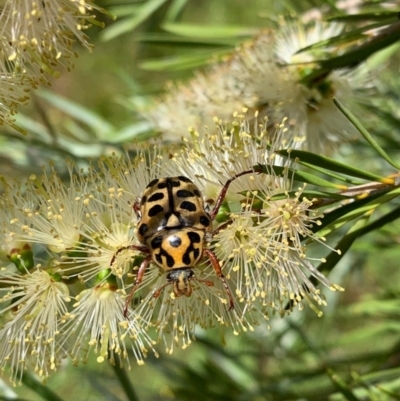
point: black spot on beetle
(156, 197)
(152, 183)
(175, 184)
(194, 237)
(143, 200)
(183, 193)
(155, 210)
(156, 242)
(183, 178)
(205, 221)
(162, 185)
(175, 241)
(189, 206)
(143, 229)
(186, 259)
(197, 193)
(196, 253)
(170, 260)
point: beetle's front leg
(224, 190)
(139, 278)
(139, 248)
(217, 268)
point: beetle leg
(157, 292)
(140, 248)
(221, 227)
(206, 282)
(224, 190)
(136, 207)
(217, 268)
(138, 281)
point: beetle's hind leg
(139, 278)
(217, 268)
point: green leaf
(310, 195)
(357, 55)
(209, 31)
(181, 62)
(175, 40)
(129, 24)
(343, 246)
(386, 219)
(356, 210)
(78, 112)
(347, 37)
(341, 386)
(131, 132)
(310, 159)
(354, 120)
(175, 10)
(297, 175)
(39, 388)
(372, 16)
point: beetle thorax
(177, 248)
(171, 203)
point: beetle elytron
(172, 231)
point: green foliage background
(353, 351)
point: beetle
(172, 228)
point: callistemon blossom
(77, 236)
(195, 103)
(13, 93)
(309, 107)
(267, 73)
(260, 240)
(96, 325)
(32, 306)
(81, 238)
(35, 38)
(175, 318)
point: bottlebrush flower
(267, 74)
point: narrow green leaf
(374, 16)
(341, 386)
(39, 388)
(387, 218)
(380, 375)
(181, 62)
(346, 37)
(343, 246)
(354, 120)
(332, 165)
(209, 31)
(298, 176)
(338, 213)
(175, 10)
(77, 111)
(130, 132)
(128, 24)
(175, 40)
(357, 211)
(125, 382)
(392, 394)
(310, 195)
(354, 56)
(388, 117)
(357, 55)
(328, 173)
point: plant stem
(125, 382)
(39, 388)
